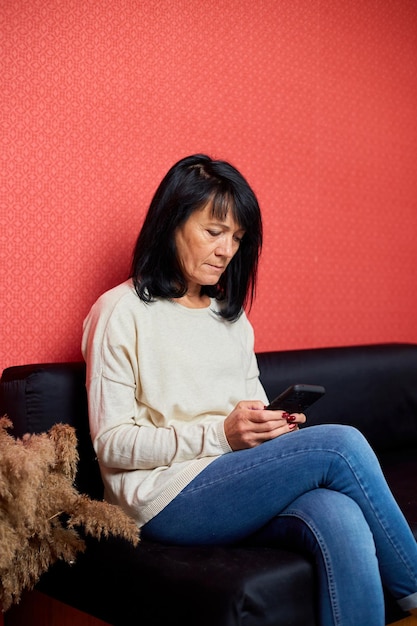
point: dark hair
(188, 186)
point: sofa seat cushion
(206, 586)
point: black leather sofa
(372, 387)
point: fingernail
(291, 418)
(286, 415)
(292, 426)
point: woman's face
(205, 246)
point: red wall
(314, 100)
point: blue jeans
(320, 491)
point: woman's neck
(194, 300)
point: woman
(178, 417)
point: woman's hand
(250, 424)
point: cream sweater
(161, 379)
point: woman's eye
(218, 233)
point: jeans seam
(326, 560)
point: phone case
(297, 398)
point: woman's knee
(342, 432)
(343, 438)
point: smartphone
(297, 398)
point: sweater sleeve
(123, 430)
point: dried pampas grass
(40, 508)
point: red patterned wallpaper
(314, 100)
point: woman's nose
(226, 247)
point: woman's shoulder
(123, 302)
(123, 292)
(120, 301)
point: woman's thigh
(241, 491)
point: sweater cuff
(222, 438)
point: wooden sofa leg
(37, 609)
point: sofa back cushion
(372, 387)
(37, 396)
